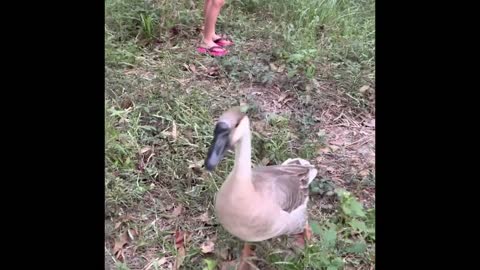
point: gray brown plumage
(258, 203)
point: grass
(310, 90)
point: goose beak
(219, 147)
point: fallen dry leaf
(179, 258)
(207, 246)
(213, 71)
(204, 217)
(177, 211)
(338, 142)
(334, 148)
(174, 131)
(126, 103)
(166, 207)
(229, 265)
(370, 123)
(157, 261)
(265, 161)
(324, 150)
(131, 71)
(287, 100)
(364, 88)
(132, 233)
(188, 135)
(145, 149)
(282, 97)
(273, 67)
(308, 100)
(364, 173)
(119, 245)
(308, 88)
(330, 169)
(190, 67)
(117, 225)
(196, 165)
(281, 68)
(225, 254)
(260, 127)
(181, 237)
(321, 133)
(175, 30)
(148, 76)
(315, 83)
(125, 218)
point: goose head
(230, 128)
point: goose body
(256, 204)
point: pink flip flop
(213, 51)
(223, 41)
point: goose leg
(246, 252)
(305, 235)
(308, 232)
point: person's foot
(211, 48)
(222, 40)
(208, 43)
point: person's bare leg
(205, 8)
(212, 10)
(207, 5)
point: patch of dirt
(109, 263)
(273, 100)
(348, 153)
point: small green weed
(148, 25)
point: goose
(262, 202)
